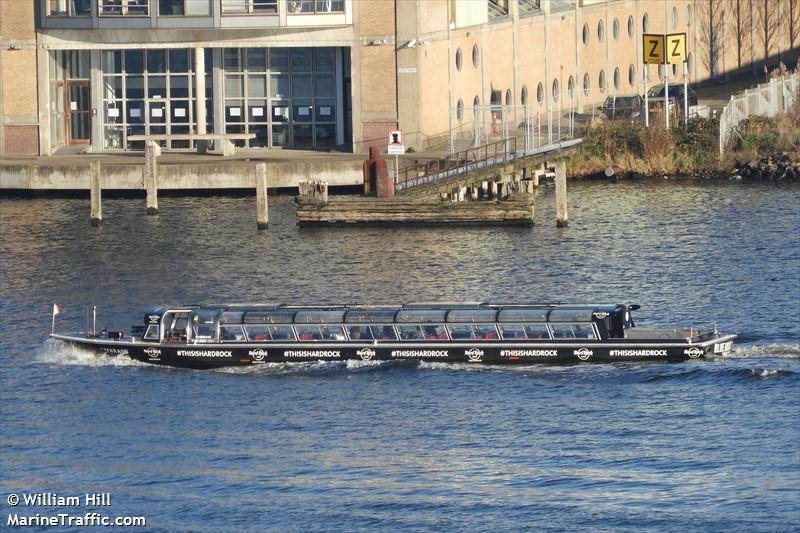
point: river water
(702, 445)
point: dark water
(709, 445)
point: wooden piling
(561, 194)
(262, 207)
(151, 152)
(95, 195)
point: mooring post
(322, 187)
(95, 195)
(262, 207)
(151, 152)
(561, 194)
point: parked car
(626, 106)
(656, 94)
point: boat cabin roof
(430, 312)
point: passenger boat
(211, 336)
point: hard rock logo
(694, 352)
(152, 353)
(366, 353)
(258, 355)
(583, 354)
(474, 355)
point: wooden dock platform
(514, 206)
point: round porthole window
(586, 84)
(523, 97)
(615, 29)
(459, 59)
(555, 91)
(585, 34)
(476, 55)
(601, 31)
(460, 110)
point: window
(689, 63)
(601, 81)
(152, 333)
(460, 110)
(573, 331)
(555, 91)
(473, 331)
(661, 71)
(537, 331)
(539, 93)
(384, 332)
(524, 331)
(616, 78)
(674, 17)
(508, 97)
(632, 76)
(315, 6)
(689, 15)
(476, 55)
(249, 7)
(422, 332)
(69, 8)
(645, 23)
(615, 29)
(630, 26)
(359, 333)
(475, 103)
(523, 97)
(231, 333)
(601, 31)
(674, 69)
(132, 8)
(585, 34)
(170, 8)
(571, 87)
(269, 333)
(459, 59)
(586, 84)
(319, 333)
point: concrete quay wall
(37, 176)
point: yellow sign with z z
(676, 48)
(653, 48)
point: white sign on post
(396, 146)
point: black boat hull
(209, 356)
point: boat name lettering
(420, 353)
(474, 354)
(152, 353)
(365, 353)
(304, 354)
(637, 353)
(205, 353)
(583, 353)
(528, 353)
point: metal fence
(532, 126)
(768, 99)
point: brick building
(339, 74)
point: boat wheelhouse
(209, 336)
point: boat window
(319, 317)
(320, 333)
(231, 333)
(473, 331)
(573, 331)
(361, 316)
(359, 333)
(268, 317)
(420, 332)
(512, 331)
(152, 333)
(537, 314)
(537, 331)
(571, 315)
(384, 332)
(175, 326)
(270, 333)
(421, 315)
(472, 315)
(231, 317)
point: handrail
(458, 163)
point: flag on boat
(57, 309)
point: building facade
(340, 74)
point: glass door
(78, 110)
